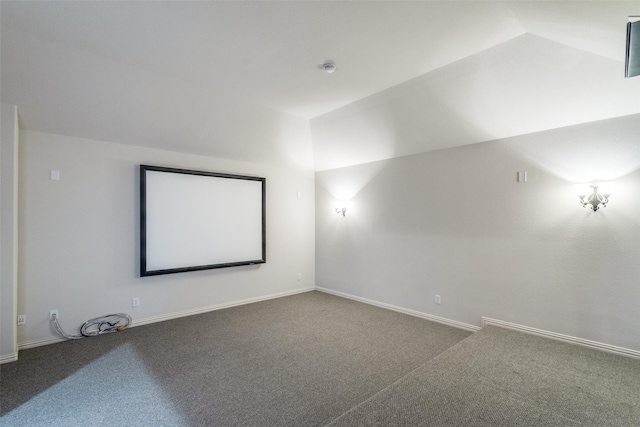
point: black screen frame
(144, 271)
(632, 54)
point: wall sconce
(597, 195)
(341, 210)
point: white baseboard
(485, 322)
(410, 312)
(8, 358)
(175, 315)
(561, 337)
(40, 342)
(185, 313)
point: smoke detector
(329, 67)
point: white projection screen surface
(195, 220)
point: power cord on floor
(97, 326)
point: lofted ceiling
(243, 80)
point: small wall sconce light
(597, 195)
(341, 210)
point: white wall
(79, 236)
(8, 232)
(455, 222)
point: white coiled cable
(96, 326)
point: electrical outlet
(438, 300)
(22, 319)
(299, 277)
(135, 302)
(52, 313)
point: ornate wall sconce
(341, 210)
(596, 195)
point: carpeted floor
(302, 360)
(314, 359)
(499, 377)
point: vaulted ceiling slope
(242, 80)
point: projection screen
(196, 220)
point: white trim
(192, 312)
(561, 337)
(40, 342)
(8, 358)
(176, 315)
(403, 310)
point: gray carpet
(499, 377)
(302, 360)
(313, 360)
